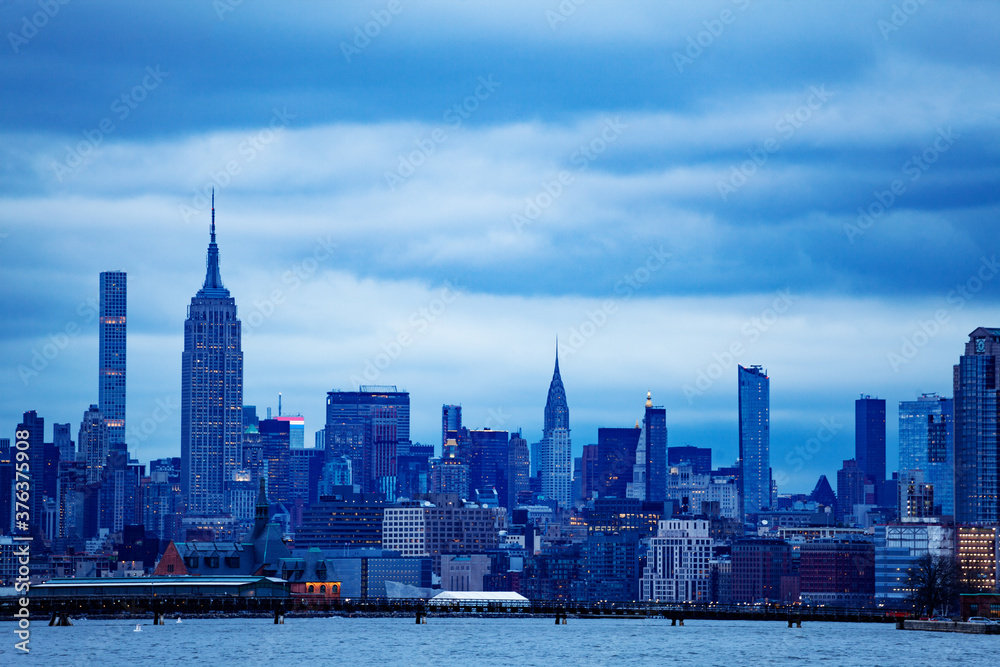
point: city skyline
(652, 275)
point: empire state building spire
(213, 278)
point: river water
(485, 641)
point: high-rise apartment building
(977, 437)
(677, 562)
(755, 439)
(211, 392)
(111, 369)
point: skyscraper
(367, 426)
(211, 391)
(487, 455)
(94, 443)
(555, 454)
(517, 468)
(755, 439)
(927, 443)
(32, 430)
(977, 438)
(451, 423)
(850, 489)
(615, 459)
(869, 442)
(654, 429)
(111, 369)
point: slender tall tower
(211, 391)
(111, 371)
(556, 459)
(755, 439)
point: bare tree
(934, 581)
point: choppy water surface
(478, 641)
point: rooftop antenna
(279, 403)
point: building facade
(677, 562)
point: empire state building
(211, 392)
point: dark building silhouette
(700, 458)
(615, 460)
(518, 469)
(655, 428)
(851, 482)
(823, 493)
(869, 442)
(32, 431)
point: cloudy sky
(428, 193)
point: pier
(62, 608)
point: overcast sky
(427, 194)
